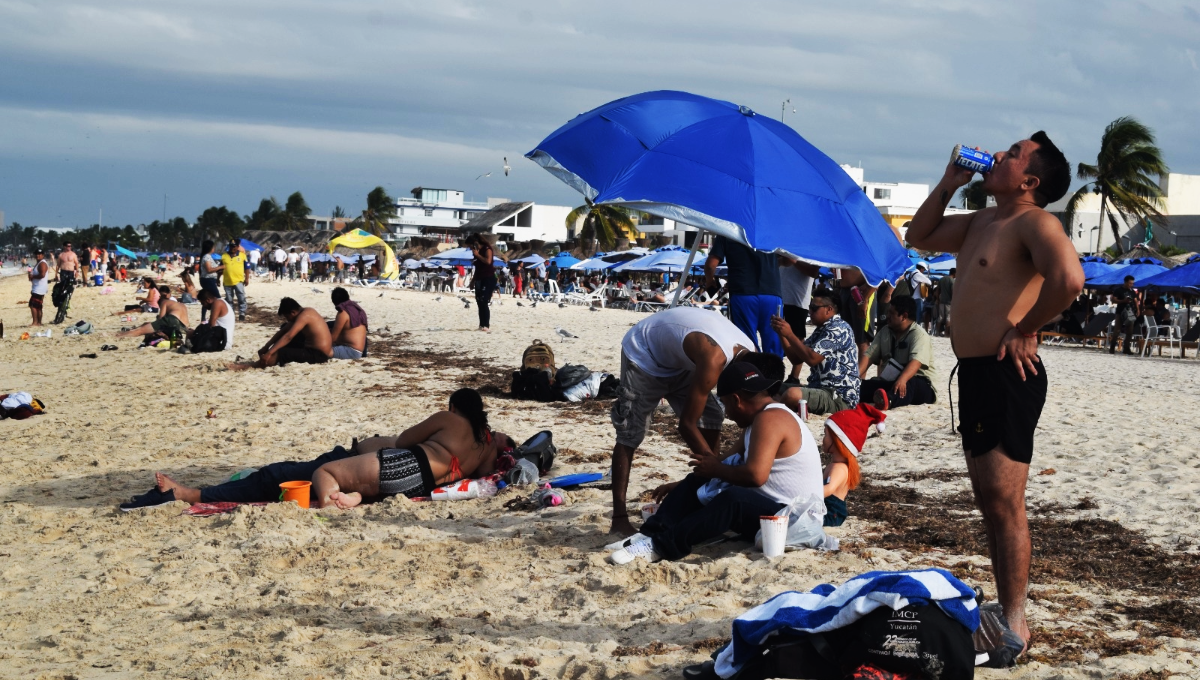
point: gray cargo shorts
(638, 397)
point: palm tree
(602, 223)
(338, 211)
(380, 209)
(294, 216)
(973, 196)
(1121, 176)
(266, 215)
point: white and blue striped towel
(826, 608)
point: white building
(522, 222)
(1181, 203)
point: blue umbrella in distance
(724, 168)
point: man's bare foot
(344, 501)
(621, 525)
(182, 493)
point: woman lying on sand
(444, 448)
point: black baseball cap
(741, 376)
(39, 251)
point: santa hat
(851, 426)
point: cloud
(425, 92)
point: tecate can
(972, 159)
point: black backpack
(539, 450)
(919, 640)
(209, 339)
(535, 384)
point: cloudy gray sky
(115, 104)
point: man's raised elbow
(1073, 282)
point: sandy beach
(473, 589)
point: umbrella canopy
(593, 264)
(1116, 277)
(943, 266)
(249, 245)
(359, 240)
(457, 256)
(1093, 268)
(533, 259)
(721, 167)
(565, 260)
(124, 251)
(1183, 279)
(665, 260)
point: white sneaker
(641, 549)
(626, 542)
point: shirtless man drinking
(444, 448)
(303, 339)
(172, 318)
(1017, 270)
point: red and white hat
(852, 425)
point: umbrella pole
(687, 270)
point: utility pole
(164, 208)
(783, 108)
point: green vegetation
(602, 223)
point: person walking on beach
(1125, 298)
(755, 293)
(233, 276)
(676, 354)
(484, 278)
(210, 272)
(1019, 271)
(39, 274)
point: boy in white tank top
(778, 462)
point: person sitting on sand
(147, 304)
(172, 320)
(303, 339)
(777, 462)
(349, 327)
(845, 434)
(445, 447)
(220, 314)
(904, 354)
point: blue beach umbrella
(726, 169)
(1183, 279)
(1140, 270)
(565, 260)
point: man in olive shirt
(912, 376)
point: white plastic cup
(774, 534)
(803, 409)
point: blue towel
(826, 608)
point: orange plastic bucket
(296, 491)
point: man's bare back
(173, 308)
(345, 335)
(446, 438)
(311, 326)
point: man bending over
(172, 319)
(776, 462)
(1017, 270)
(453, 444)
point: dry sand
(473, 590)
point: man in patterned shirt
(831, 356)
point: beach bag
(61, 291)
(903, 287)
(534, 384)
(539, 450)
(209, 339)
(80, 328)
(571, 375)
(538, 355)
(608, 387)
(918, 641)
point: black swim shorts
(997, 408)
(35, 300)
(300, 355)
(406, 472)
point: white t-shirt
(915, 280)
(226, 322)
(655, 344)
(796, 287)
(39, 285)
(292, 257)
(280, 256)
(254, 257)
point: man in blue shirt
(754, 290)
(831, 356)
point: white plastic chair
(1153, 334)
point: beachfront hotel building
(1181, 205)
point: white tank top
(798, 475)
(655, 344)
(39, 286)
(226, 322)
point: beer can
(972, 159)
